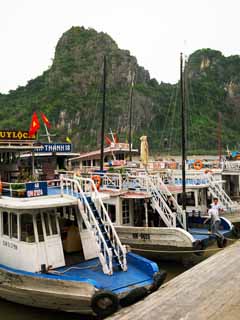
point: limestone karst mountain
(69, 93)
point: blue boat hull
(77, 288)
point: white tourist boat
(143, 219)
(59, 250)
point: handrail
(168, 216)
(157, 181)
(112, 180)
(217, 191)
(120, 250)
(90, 188)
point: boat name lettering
(55, 147)
(143, 236)
(15, 135)
(10, 245)
(34, 193)
(36, 189)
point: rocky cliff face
(70, 93)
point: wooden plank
(210, 290)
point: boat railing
(232, 165)
(111, 181)
(215, 187)
(160, 204)
(133, 182)
(165, 192)
(84, 188)
(14, 189)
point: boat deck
(204, 234)
(118, 282)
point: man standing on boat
(215, 219)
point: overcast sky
(154, 31)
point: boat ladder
(217, 191)
(165, 193)
(111, 252)
(158, 200)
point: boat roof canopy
(37, 202)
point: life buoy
(1, 187)
(208, 171)
(97, 181)
(197, 165)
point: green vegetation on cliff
(69, 93)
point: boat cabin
(49, 159)
(42, 233)
(114, 155)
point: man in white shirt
(215, 219)
(216, 205)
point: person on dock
(215, 219)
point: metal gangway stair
(154, 185)
(110, 251)
(160, 193)
(217, 191)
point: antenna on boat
(103, 112)
(111, 133)
(183, 133)
(130, 118)
(48, 135)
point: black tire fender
(236, 231)
(199, 246)
(158, 279)
(133, 296)
(104, 303)
(221, 242)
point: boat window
(39, 227)
(27, 231)
(46, 222)
(190, 200)
(5, 222)
(125, 212)
(120, 156)
(53, 223)
(111, 209)
(14, 226)
(50, 223)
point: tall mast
(220, 137)
(130, 119)
(183, 134)
(103, 113)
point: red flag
(108, 140)
(116, 140)
(45, 120)
(35, 125)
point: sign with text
(36, 189)
(15, 135)
(55, 147)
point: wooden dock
(210, 290)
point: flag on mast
(35, 125)
(116, 140)
(45, 120)
(108, 140)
